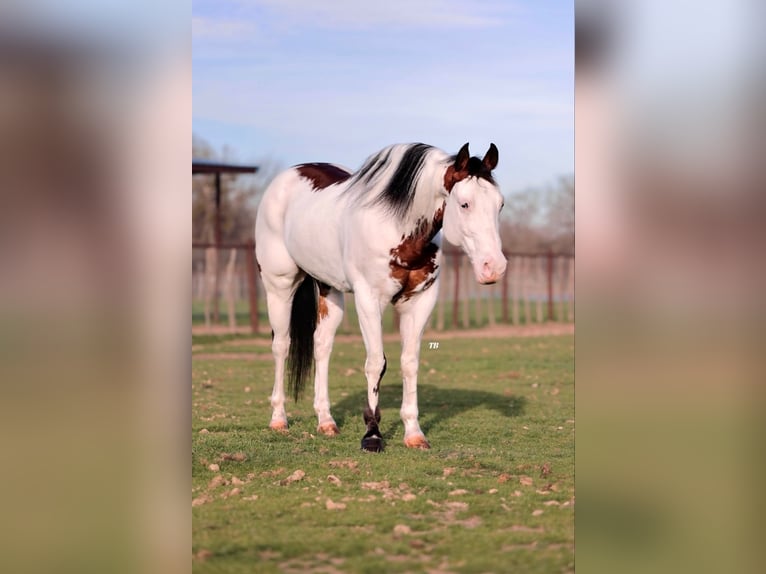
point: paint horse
(322, 231)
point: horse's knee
(409, 366)
(280, 346)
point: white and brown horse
(322, 231)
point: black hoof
(372, 442)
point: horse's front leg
(414, 316)
(369, 309)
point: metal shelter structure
(216, 168)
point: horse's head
(472, 211)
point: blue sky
(300, 80)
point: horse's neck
(425, 218)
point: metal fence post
(550, 284)
(456, 293)
(505, 292)
(217, 239)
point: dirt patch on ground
(495, 332)
(224, 330)
(234, 356)
(502, 331)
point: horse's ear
(490, 159)
(461, 161)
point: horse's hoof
(372, 443)
(279, 426)
(417, 441)
(328, 429)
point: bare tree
(540, 218)
(521, 224)
(239, 197)
(560, 215)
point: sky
(292, 81)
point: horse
(322, 231)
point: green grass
(500, 418)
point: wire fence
(538, 287)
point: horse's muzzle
(490, 271)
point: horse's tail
(303, 323)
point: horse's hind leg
(330, 315)
(279, 298)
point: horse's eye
(464, 205)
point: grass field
(494, 494)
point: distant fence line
(536, 288)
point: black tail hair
(303, 323)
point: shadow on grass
(436, 405)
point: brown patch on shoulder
(413, 261)
(322, 175)
(322, 308)
(416, 279)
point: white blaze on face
(471, 220)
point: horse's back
(304, 179)
(299, 218)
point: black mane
(399, 192)
(372, 166)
